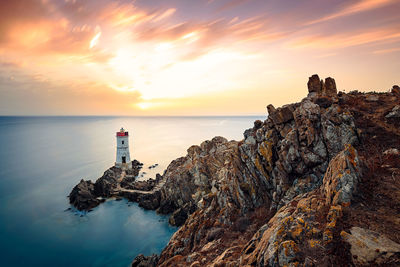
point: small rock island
(315, 184)
(118, 181)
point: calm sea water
(42, 158)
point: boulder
(145, 261)
(314, 84)
(280, 115)
(83, 197)
(396, 90)
(329, 87)
(395, 113)
(371, 248)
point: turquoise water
(42, 158)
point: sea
(43, 158)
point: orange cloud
(360, 6)
(346, 40)
(386, 51)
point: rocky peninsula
(315, 184)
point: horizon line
(144, 116)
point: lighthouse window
(123, 142)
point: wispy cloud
(388, 50)
(345, 40)
(353, 8)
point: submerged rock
(145, 261)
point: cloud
(387, 51)
(49, 97)
(194, 39)
(231, 4)
(353, 8)
(334, 41)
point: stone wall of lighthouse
(123, 156)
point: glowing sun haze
(183, 57)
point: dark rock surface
(143, 261)
(83, 196)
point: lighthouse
(123, 157)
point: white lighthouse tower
(123, 158)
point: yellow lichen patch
(260, 167)
(334, 213)
(313, 243)
(344, 234)
(352, 153)
(346, 204)
(314, 231)
(297, 230)
(328, 236)
(265, 150)
(289, 247)
(304, 205)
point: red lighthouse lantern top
(122, 132)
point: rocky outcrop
(283, 195)
(342, 177)
(294, 235)
(396, 90)
(317, 87)
(83, 196)
(117, 182)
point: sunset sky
(189, 57)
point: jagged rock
(280, 115)
(317, 87)
(396, 90)
(214, 234)
(180, 215)
(342, 177)
(293, 227)
(323, 101)
(145, 261)
(395, 113)
(329, 87)
(105, 185)
(314, 84)
(150, 201)
(371, 248)
(83, 197)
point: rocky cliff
(315, 184)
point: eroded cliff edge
(315, 184)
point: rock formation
(116, 182)
(292, 191)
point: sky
(189, 57)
